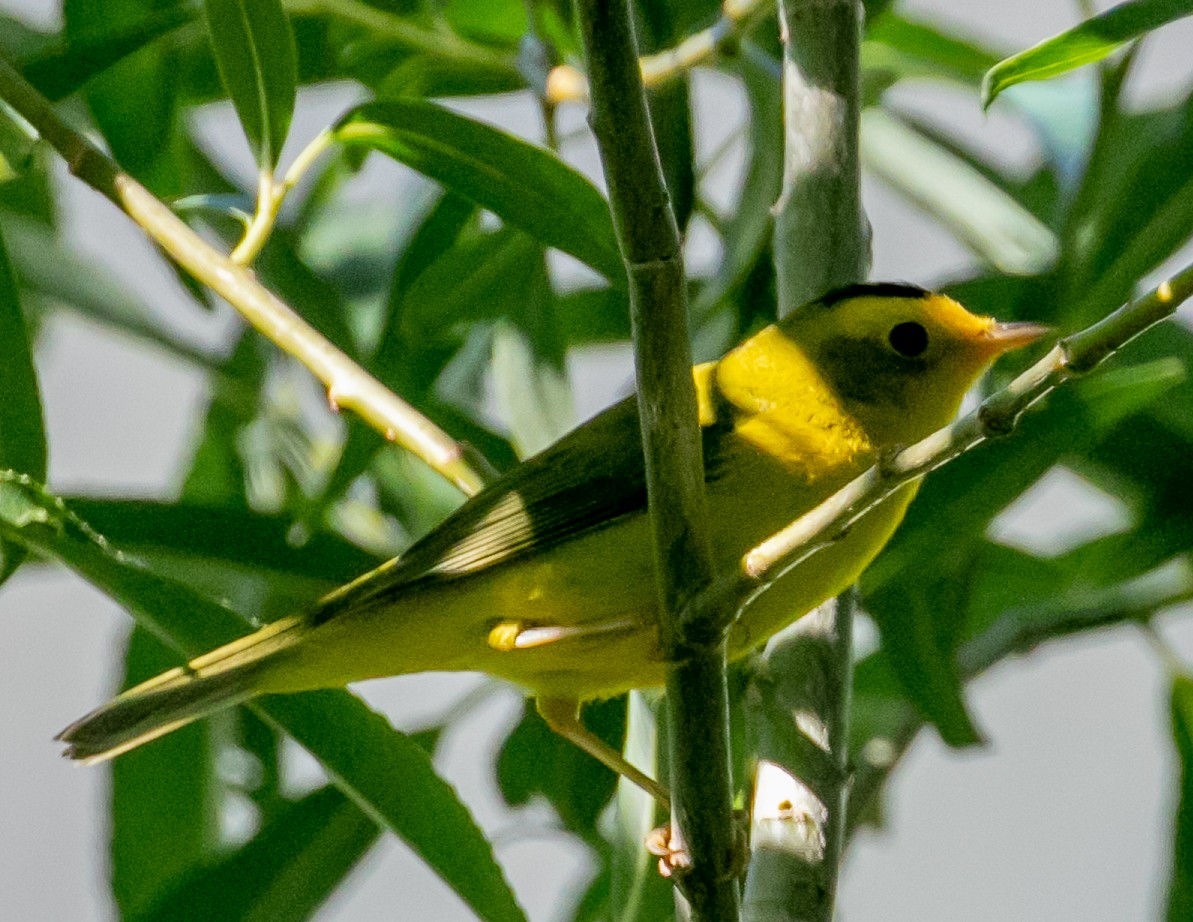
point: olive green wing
(589, 479)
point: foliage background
(1066, 813)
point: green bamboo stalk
(693, 640)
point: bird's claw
(674, 859)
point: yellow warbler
(546, 577)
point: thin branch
(997, 416)
(567, 84)
(348, 385)
(1019, 633)
(693, 641)
(270, 196)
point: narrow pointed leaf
(284, 873)
(387, 774)
(61, 69)
(165, 799)
(526, 186)
(982, 215)
(22, 430)
(1087, 43)
(258, 65)
(1180, 886)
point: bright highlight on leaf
(255, 54)
(1087, 43)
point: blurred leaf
(921, 619)
(254, 50)
(22, 428)
(1086, 43)
(388, 776)
(487, 20)
(748, 229)
(1018, 604)
(524, 185)
(529, 371)
(216, 475)
(536, 760)
(18, 147)
(166, 798)
(134, 100)
(476, 280)
(283, 874)
(1180, 886)
(591, 316)
(906, 48)
(49, 270)
(230, 534)
(532, 391)
(58, 70)
(981, 215)
(961, 499)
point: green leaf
(981, 214)
(526, 186)
(165, 799)
(52, 273)
(921, 619)
(502, 21)
(217, 475)
(389, 776)
(135, 100)
(536, 760)
(907, 48)
(532, 392)
(1180, 885)
(529, 372)
(260, 542)
(61, 69)
(18, 147)
(22, 429)
(962, 498)
(258, 65)
(1086, 43)
(283, 874)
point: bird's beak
(1004, 337)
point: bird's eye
(909, 339)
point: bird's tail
(226, 676)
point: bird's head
(898, 357)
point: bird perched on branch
(546, 577)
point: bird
(546, 577)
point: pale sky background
(1065, 815)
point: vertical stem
(819, 238)
(693, 639)
(820, 244)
